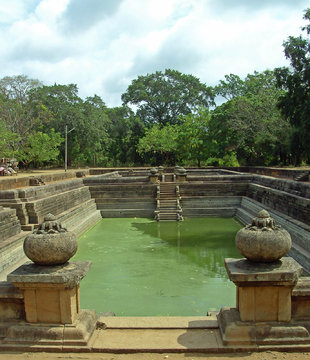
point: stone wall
(13, 182)
(11, 238)
(69, 200)
(212, 195)
(123, 197)
(285, 196)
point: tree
(194, 138)
(295, 103)
(231, 88)
(20, 115)
(89, 140)
(18, 87)
(96, 139)
(250, 123)
(8, 142)
(161, 98)
(41, 147)
(159, 145)
(125, 130)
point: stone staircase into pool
(168, 202)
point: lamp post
(66, 145)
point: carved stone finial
(263, 221)
(50, 225)
(153, 171)
(263, 240)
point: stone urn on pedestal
(50, 286)
(264, 281)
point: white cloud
(102, 46)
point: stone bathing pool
(145, 268)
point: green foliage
(125, 131)
(159, 144)
(41, 147)
(295, 102)
(18, 113)
(250, 123)
(8, 142)
(161, 98)
(88, 142)
(194, 141)
(18, 87)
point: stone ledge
(237, 332)
(55, 335)
(69, 274)
(284, 271)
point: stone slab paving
(160, 334)
(156, 340)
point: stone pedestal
(263, 312)
(181, 174)
(181, 177)
(51, 293)
(153, 175)
(264, 289)
(52, 305)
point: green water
(144, 268)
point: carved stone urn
(263, 241)
(50, 243)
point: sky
(102, 45)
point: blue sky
(102, 45)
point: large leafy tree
(195, 143)
(295, 103)
(161, 98)
(88, 140)
(250, 122)
(125, 130)
(159, 145)
(9, 142)
(19, 114)
(41, 147)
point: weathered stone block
(51, 293)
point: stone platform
(123, 335)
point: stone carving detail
(50, 225)
(50, 244)
(153, 172)
(263, 221)
(36, 181)
(263, 240)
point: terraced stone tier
(124, 200)
(287, 203)
(214, 188)
(9, 224)
(40, 192)
(56, 204)
(221, 206)
(81, 217)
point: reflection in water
(141, 267)
(203, 241)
